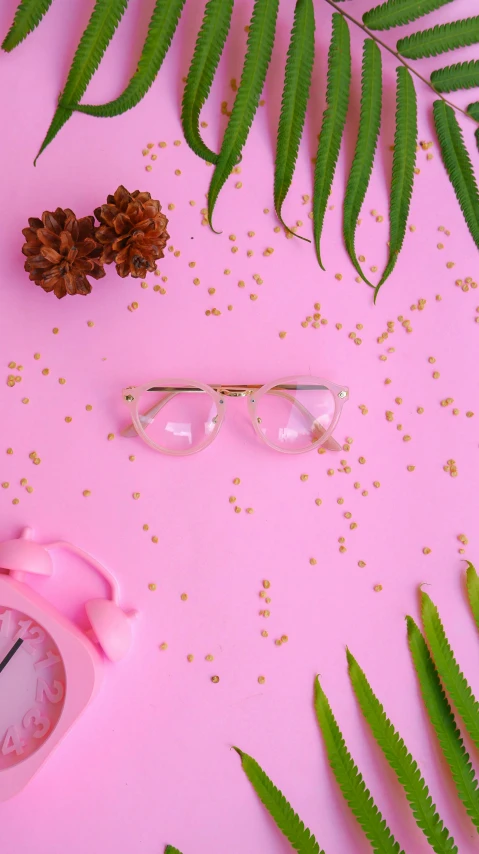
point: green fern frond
(472, 582)
(462, 75)
(401, 761)
(161, 29)
(334, 119)
(394, 13)
(404, 159)
(297, 82)
(350, 780)
(258, 55)
(451, 676)
(458, 165)
(208, 49)
(278, 807)
(473, 111)
(440, 39)
(99, 31)
(368, 133)
(442, 719)
(171, 850)
(28, 16)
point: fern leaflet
(451, 676)
(401, 761)
(161, 30)
(440, 39)
(394, 13)
(258, 55)
(473, 111)
(208, 49)
(297, 82)
(472, 581)
(368, 133)
(350, 780)
(442, 719)
(462, 75)
(404, 159)
(103, 22)
(28, 16)
(170, 849)
(458, 165)
(334, 118)
(288, 821)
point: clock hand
(16, 646)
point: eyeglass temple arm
(330, 443)
(147, 417)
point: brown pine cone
(132, 232)
(62, 251)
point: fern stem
(398, 56)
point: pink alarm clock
(49, 669)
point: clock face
(32, 686)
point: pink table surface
(150, 762)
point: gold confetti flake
(261, 680)
(152, 586)
(136, 495)
(215, 679)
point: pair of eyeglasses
(180, 417)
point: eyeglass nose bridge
(235, 391)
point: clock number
(12, 741)
(38, 636)
(5, 623)
(34, 716)
(25, 626)
(54, 693)
(49, 661)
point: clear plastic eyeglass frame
(314, 431)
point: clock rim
(83, 671)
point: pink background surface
(150, 761)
